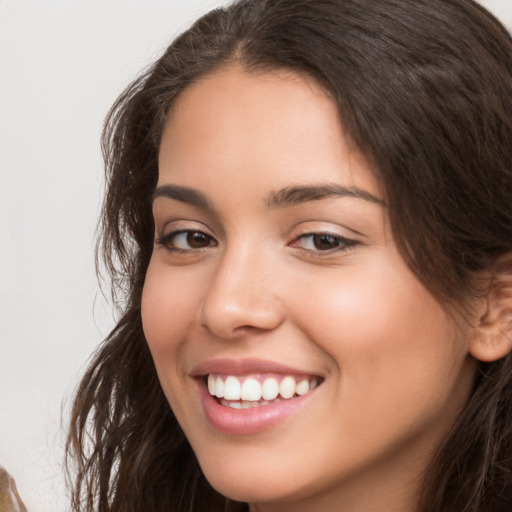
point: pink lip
(243, 367)
(248, 421)
(255, 419)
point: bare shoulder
(10, 500)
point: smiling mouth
(250, 391)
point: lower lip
(252, 420)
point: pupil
(197, 240)
(325, 241)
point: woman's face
(275, 271)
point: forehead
(264, 125)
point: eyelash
(342, 243)
(166, 240)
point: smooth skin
(249, 276)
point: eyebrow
(301, 194)
(288, 196)
(185, 195)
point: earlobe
(492, 339)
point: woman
(309, 229)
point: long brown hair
(424, 90)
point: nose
(241, 297)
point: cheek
(169, 306)
(395, 349)
(376, 309)
(168, 310)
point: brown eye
(186, 240)
(324, 241)
(198, 240)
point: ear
(492, 338)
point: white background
(62, 64)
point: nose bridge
(242, 293)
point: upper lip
(244, 367)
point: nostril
(235, 323)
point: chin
(253, 486)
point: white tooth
(246, 404)
(235, 405)
(287, 387)
(302, 387)
(314, 383)
(251, 390)
(211, 384)
(269, 389)
(219, 388)
(232, 388)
